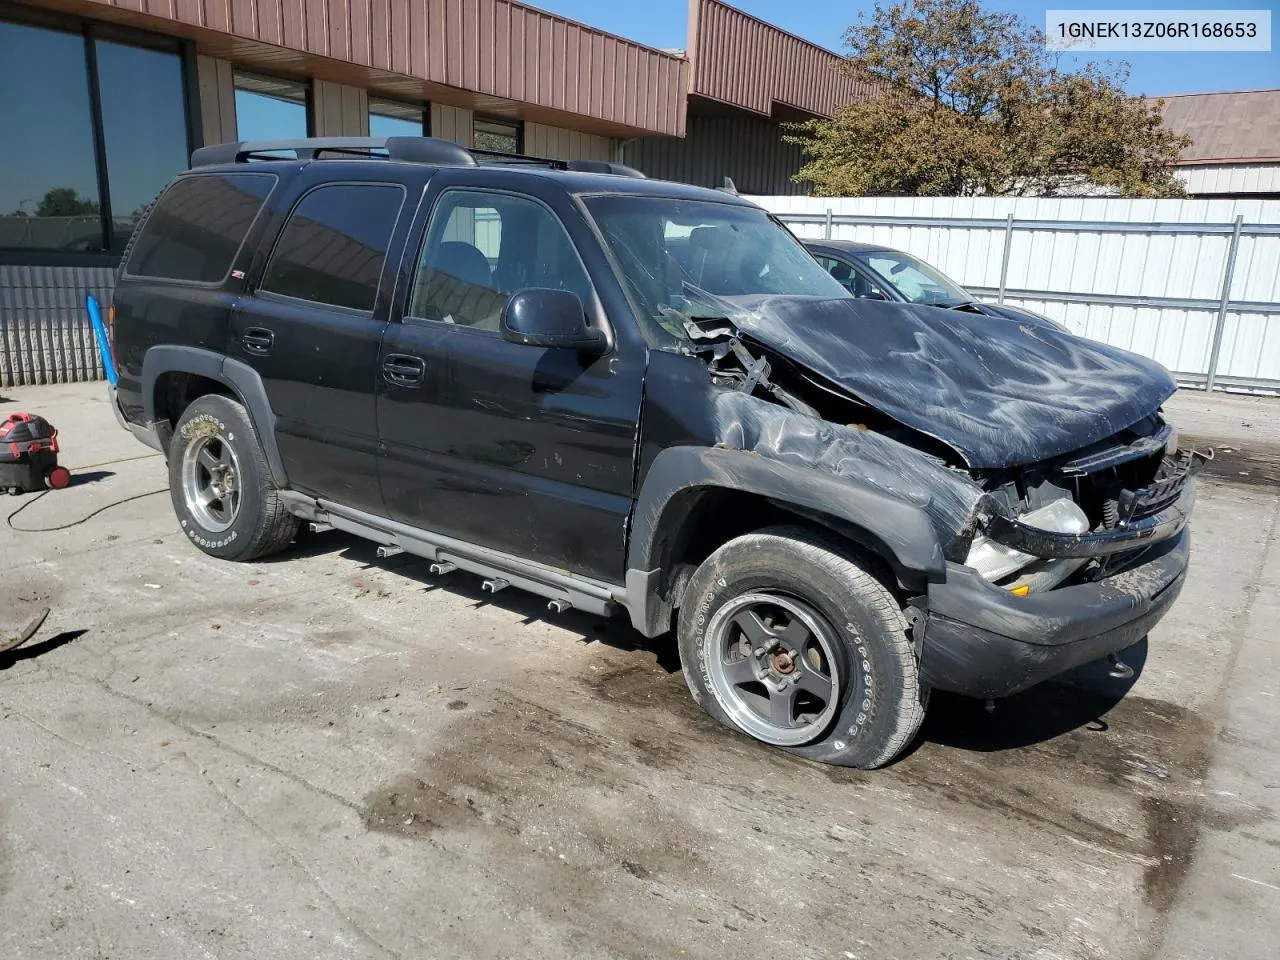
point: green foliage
(65, 202)
(971, 102)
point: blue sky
(664, 23)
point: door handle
(257, 340)
(404, 370)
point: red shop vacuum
(29, 455)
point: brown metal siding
(748, 149)
(497, 48)
(751, 64)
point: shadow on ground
(90, 476)
(613, 632)
(1078, 699)
(32, 650)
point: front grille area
(1159, 494)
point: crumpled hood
(1000, 392)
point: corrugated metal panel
(749, 63)
(541, 140)
(1092, 262)
(498, 48)
(217, 100)
(45, 335)
(339, 110)
(748, 149)
(451, 123)
(1231, 178)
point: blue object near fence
(100, 333)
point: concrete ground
(328, 755)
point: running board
(499, 570)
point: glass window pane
(144, 122)
(481, 248)
(390, 118)
(332, 247)
(498, 136)
(198, 225)
(270, 109)
(48, 175)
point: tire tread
(276, 526)
(848, 562)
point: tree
(65, 202)
(970, 102)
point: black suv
(620, 393)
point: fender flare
(899, 532)
(239, 377)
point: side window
(483, 247)
(198, 225)
(851, 279)
(841, 271)
(332, 246)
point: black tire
(876, 701)
(258, 525)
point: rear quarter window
(198, 225)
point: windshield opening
(914, 279)
(682, 259)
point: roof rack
(431, 150)
(498, 158)
(413, 149)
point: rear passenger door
(312, 329)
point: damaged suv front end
(1020, 483)
(1071, 561)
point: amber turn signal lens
(1021, 591)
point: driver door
(526, 450)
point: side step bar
(564, 590)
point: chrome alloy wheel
(211, 482)
(770, 660)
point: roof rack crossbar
(430, 150)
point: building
(104, 100)
(746, 78)
(1235, 143)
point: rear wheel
(792, 640)
(221, 487)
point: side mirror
(550, 318)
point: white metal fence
(1194, 284)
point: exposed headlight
(994, 561)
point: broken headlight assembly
(997, 562)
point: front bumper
(145, 434)
(983, 641)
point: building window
(98, 130)
(144, 122)
(391, 118)
(496, 136)
(268, 108)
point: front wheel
(789, 638)
(221, 487)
